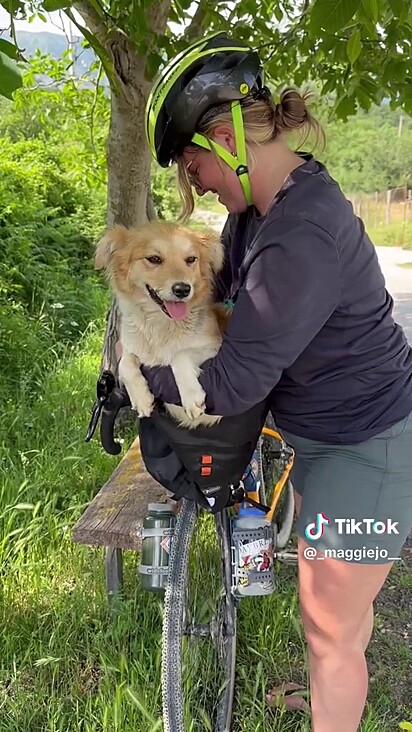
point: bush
(165, 192)
(48, 290)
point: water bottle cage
(254, 575)
(250, 575)
(266, 532)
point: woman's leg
(298, 502)
(336, 609)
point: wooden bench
(115, 516)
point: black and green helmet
(207, 73)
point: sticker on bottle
(256, 555)
(166, 544)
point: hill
(56, 44)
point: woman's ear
(113, 240)
(213, 247)
(224, 135)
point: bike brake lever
(104, 387)
(117, 399)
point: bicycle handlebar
(117, 399)
(110, 399)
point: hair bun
(292, 108)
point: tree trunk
(128, 157)
(128, 162)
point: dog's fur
(159, 256)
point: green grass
(65, 664)
(396, 234)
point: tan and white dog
(162, 276)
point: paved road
(399, 283)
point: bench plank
(115, 515)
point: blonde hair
(263, 121)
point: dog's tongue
(176, 310)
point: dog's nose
(181, 289)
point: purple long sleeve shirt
(312, 322)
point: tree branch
(13, 36)
(290, 33)
(157, 15)
(98, 24)
(195, 27)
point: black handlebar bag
(189, 462)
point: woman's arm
(289, 292)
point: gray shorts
(356, 499)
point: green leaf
(371, 9)
(50, 5)
(394, 70)
(398, 8)
(354, 46)
(152, 65)
(328, 86)
(332, 15)
(406, 726)
(363, 98)
(345, 107)
(12, 6)
(10, 76)
(8, 48)
(278, 12)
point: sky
(54, 24)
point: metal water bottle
(253, 541)
(157, 536)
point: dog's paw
(146, 411)
(143, 405)
(194, 404)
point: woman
(312, 328)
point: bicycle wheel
(199, 626)
(271, 471)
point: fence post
(388, 207)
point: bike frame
(287, 456)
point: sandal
(289, 695)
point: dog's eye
(191, 260)
(154, 259)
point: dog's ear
(113, 240)
(212, 244)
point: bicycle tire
(190, 702)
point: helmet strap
(238, 162)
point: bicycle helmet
(208, 73)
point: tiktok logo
(315, 530)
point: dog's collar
(158, 300)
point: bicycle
(200, 602)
